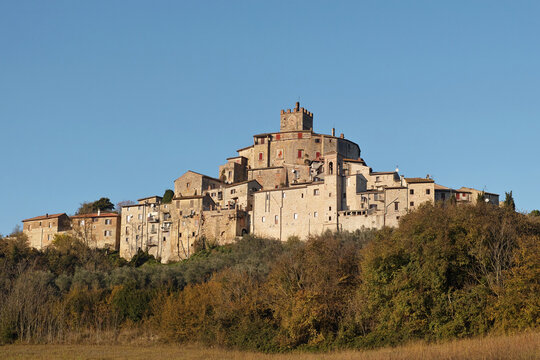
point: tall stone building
(292, 182)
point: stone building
(40, 230)
(292, 182)
(97, 230)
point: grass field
(523, 346)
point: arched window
(331, 168)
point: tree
(509, 201)
(103, 204)
(535, 213)
(124, 203)
(168, 196)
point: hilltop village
(292, 182)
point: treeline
(446, 272)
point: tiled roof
(93, 215)
(46, 216)
(418, 180)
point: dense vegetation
(447, 272)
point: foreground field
(523, 346)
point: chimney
(342, 136)
(297, 106)
(333, 131)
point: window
(261, 141)
(315, 214)
(263, 219)
(179, 235)
(279, 153)
(377, 179)
(95, 219)
(412, 203)
(317, 155)
(140, 216)
(299, 135)
(139, 227)
(187, 185)
(411, 191)
(193, 233)
(329, 218)
(108, 232)
(315, 192)
(302, 195)
(331, 168)
(230, 174)
(329, 208)
(260, 156)
(428, 191)
(128, 219)
(127, 240)
(344, 195)
(278, 136)
(127, 230)
(108, 221)
(295, 216)
(317, 141)
(233, 191)
(50, 225)
(49, 237)
(219, 195)
(276, 219)
(396, 206)
(136, 237)
(300, 153)
(283, 195)
(329, 194)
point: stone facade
(99, 230)
(293, 182)
(40, 230)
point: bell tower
(296, 119)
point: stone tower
(296, 119)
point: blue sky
(119, 98)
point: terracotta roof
(93, 215)
(196, 173)
(469, 190)
(240, 183)
(46, 216)
(245, 148)
(355, 160)
(440, 187)
(189, 197)
(149, 197)
(384, 172)
(419, 180)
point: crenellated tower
(296, 119)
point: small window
(50, 225)
(108, 221)
(317, 155)
(276, 219)
(396, 206)
(233, 191)
(428, 191)
(295, 216)
(317, 141)
(127, 240)
(140, 216)
(127, 230)
(329, 208)
(329, 218)
(193, 234)
(411, 191)
(299, 135)
(377, 178)
(107, 232)
(49, 237)
(315, 214)
(139, 227)
(283, 195)
(260, 156)
(315, 192)
(261, 141)
(187, 185)
(95, 219)
(329, 194)
(300, 153)
(263, 219)
(278, 136)
(412, 203)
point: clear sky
(118, 98)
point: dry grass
(523, 346)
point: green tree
(509, 201)
(535, 213)
(103, 204)
(168, 196)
